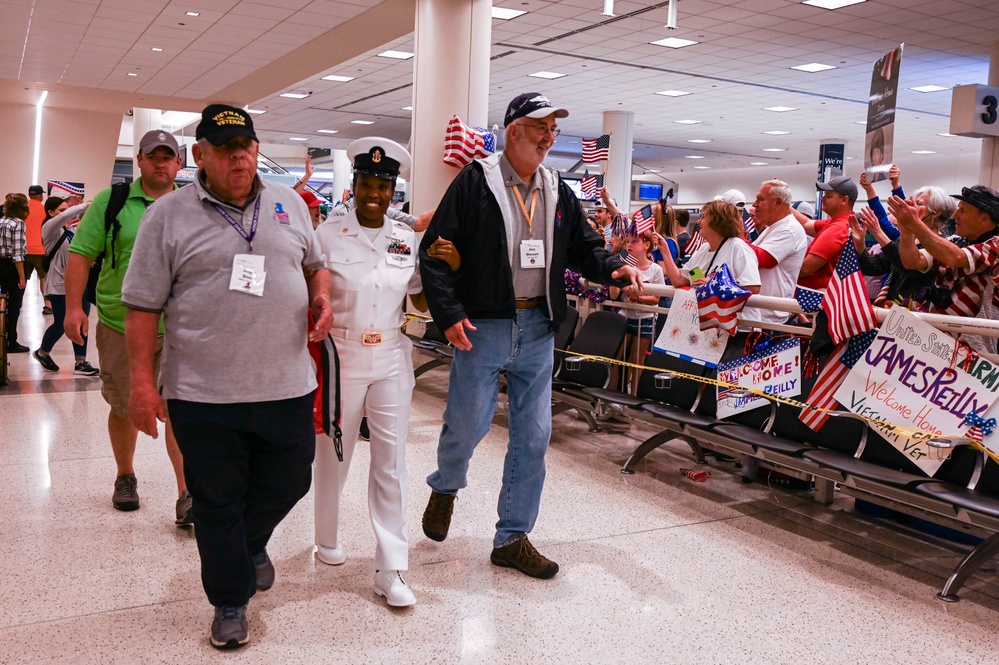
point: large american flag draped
(644, 220)
(464, 144)
(591, 184)
(846, 303)
(840, 362)
(595, 150)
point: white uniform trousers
(376, 381)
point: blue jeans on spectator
(524, 347)
(55, 331)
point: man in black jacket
(517, 228)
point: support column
(617, 178)
(341, 174)
(143, 120)
(988, 170)
(450, 76)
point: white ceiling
(740, 65)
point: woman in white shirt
(374, 264)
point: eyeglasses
(541, 128)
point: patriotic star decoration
(720, 300)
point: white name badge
(248, 274)
(532, 254)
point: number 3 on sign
(990, 115)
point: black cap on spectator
(35, 190)
(984, 198)
(221, 123)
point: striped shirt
(966, 284)
(12, 240)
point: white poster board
(907, 378)
(683, 338)
(775, 370)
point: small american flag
(644, 220)
(843, 358)
(846, 303)
(748, 223)
(809, 299)
(464, 144)
(696, 240)
(591, 184)
(631, 260)
(595, 150)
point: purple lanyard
(253, 225)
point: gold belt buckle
(371, 338)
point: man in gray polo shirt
(233, 265)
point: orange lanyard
(529, 216)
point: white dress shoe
(393, 588)
(331, 556)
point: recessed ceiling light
(694, 156)
(774, 149)
(546, 75)
(813, 67)
(396, 55)
(362, 122)
(338, 78)
(673, 93)
(256, 111)
(780, 109)
(849, 157)
(776, 132)
(192, 13)
(156, 48)
(928, 88)
(702, 167)
(653, 170)
(407, 108)
(505, 14)
(132, 74)
(832, 4)
(860, 122)
(946, 134)
(688, 122)
(297, 138)
(759, 163)
(294, 95)
(673, 42)
(698, 140)
(922, 152)
(327, 131)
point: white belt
(367, 337)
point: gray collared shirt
(527, 282)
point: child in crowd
(640, 324)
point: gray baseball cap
(840, 184)
(157, 138)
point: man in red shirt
(830, 235)
(33, 236)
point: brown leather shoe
(520, 554)
(437, 516)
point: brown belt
(530, 303)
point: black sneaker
(264, 569)
(185, 508)
(437, 516)
(46, 311)
(17, 348)
(126, 493)
(229, 628)
(83, 368)
(46, 362)
(364, 432)
(520, 554)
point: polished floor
(655, 568)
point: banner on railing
(776, 370)
(909, 377)
(683, 338)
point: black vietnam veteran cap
(984, 198)
(220, 123)
(531, 105)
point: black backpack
(119, 195)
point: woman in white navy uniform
(373, 260)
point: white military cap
(379, 157)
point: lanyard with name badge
(247, 269)
(532, 252)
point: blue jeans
(524, 347)
(55, 331)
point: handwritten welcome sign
(682, 335)
(907, 378)
(775, 370)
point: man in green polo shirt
(159, 160)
